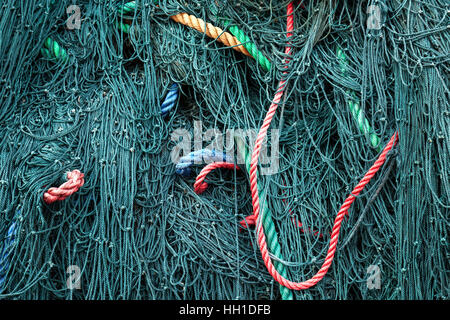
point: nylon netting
(137, 230)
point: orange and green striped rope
(235, 39)
(249, 45)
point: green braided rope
(127, 7)
(123, 26)
(235, 31)
(53, 50)
(124, 9)
(354, 106)
(269, 226)
(249, 45)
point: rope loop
(200, 185)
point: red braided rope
(335, 231)
(75, 180)
(255, 196)
(199, 185)
(251, 220)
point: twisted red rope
(335, 231)
(199, 185)
(75, 179)
(255, 196)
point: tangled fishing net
(88, 116)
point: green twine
(354, 106)
(269, 226)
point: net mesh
(90, 99)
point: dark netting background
(137, 230)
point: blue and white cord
(6, 250)
(198, 157)
(170, 100)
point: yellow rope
(211, 31)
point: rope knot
(248, 221)
(75, 180)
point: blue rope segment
(170, 100)
(5, 253)
(198, 157)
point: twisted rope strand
(52, 50)
(263, 130)
(170, 100)
(335, 231)
(74, 182)
(211, 31)
(250, 46)
(254, 161)
(6, 252)
(199, 156)
(268, 223)
(255, 196)
(200, 185)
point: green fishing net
(89, 98)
